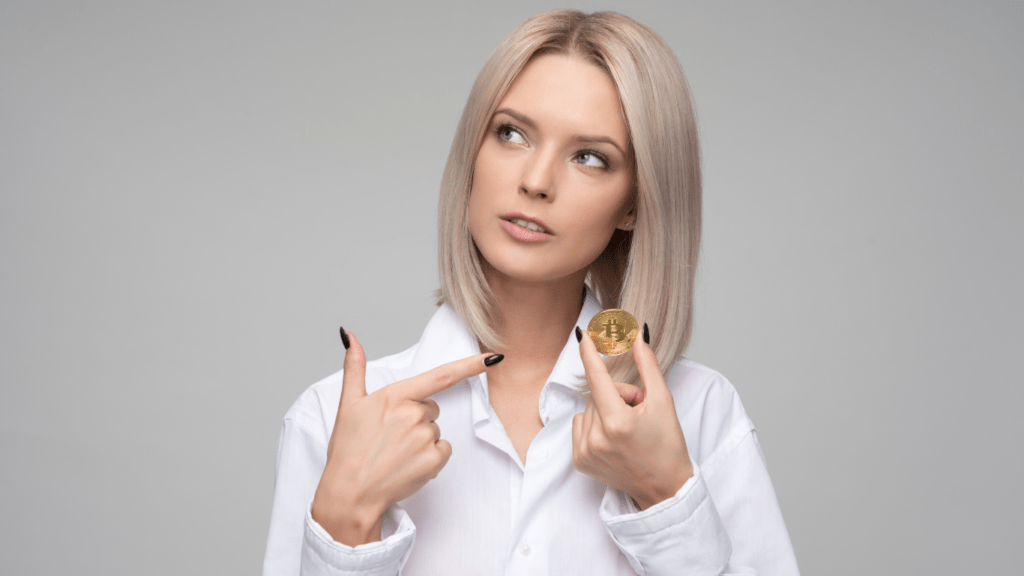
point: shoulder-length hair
(648, 271)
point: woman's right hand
(385, 446)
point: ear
(628, 221)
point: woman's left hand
(638, 449)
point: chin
(531, 263)
(531, 269)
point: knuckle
(438, 459)
(412, 411)
(599, 444)
(615, 428)
(424, 434)
(583, 453)
(399, 410)
(406, 414)
(444, 375)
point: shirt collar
(446, 339)
(568, 369)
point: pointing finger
(443, 377)
(353, 384)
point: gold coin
(613, 331)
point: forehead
(566, 93)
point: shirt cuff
(684, 530)
(322, 555)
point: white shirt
(487, 514)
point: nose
(539, 177)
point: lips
(528, 225)
(528, 222)
(525, 229)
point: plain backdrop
(196, 194)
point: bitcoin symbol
(613, 331)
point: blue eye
(510, 134)
(591, 158)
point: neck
(534, 319)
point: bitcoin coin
(613, 331)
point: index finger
(445, 376)
(607, 399)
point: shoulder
(709, 408)
(316, 408)
(692, 381)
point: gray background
(195, 195)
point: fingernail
(344, 337)
(493, 359)
(647, 334)
(579, 334)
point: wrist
(647, 498)
(352, 531)
(349, 520)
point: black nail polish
(647, 335)
(344, 338)
(579, 334)
(493, 359)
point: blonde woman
(502, 443)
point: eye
(592, 159)
(509, 133)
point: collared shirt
(486, 513)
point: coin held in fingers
(613, 331)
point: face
(552, 179)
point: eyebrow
(523, 119)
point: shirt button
(524, 549)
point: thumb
(353, 384)
(630, 394)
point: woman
(573, 184)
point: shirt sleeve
(296, 544)
(724, 520)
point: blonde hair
(649, 271)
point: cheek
(478, 194)
(592, 227)
(599, 214)
(492, 177)
(592, 232)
